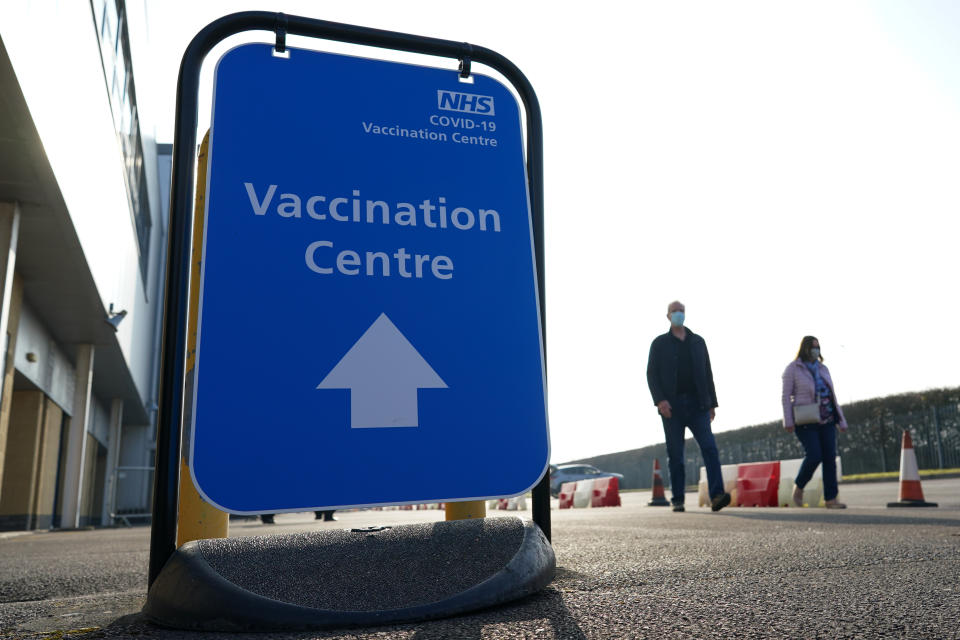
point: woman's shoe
(833, 504)
(797, 496)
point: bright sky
(782, 169)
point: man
(681, 382)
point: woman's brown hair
(805, 345)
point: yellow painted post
(466, 510)
(196, 519)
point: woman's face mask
(814, 353)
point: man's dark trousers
(685, 413)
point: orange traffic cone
(658, 498)
(911, 495)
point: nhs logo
(465, 102)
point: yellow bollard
(466, 510)
(196, 519)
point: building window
(111, 23)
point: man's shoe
(720, 501)
(678, 507)
(833, 504)
(797, 496)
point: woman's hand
(788, 428)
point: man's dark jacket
(662, 369)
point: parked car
(573, 472)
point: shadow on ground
(834, 517)
(546, 607)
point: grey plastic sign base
(343, 578)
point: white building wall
(138, 22)
(61, 76)
(99, 425)
(48, 367)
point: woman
(809, 399)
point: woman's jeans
(820, 443)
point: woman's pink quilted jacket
(800, 388)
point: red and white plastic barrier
(765, 484)
(408, 507)
(567, 490)
(583, 494)
(758, 483)
(600, 492)
(729, 475)
(606, 492)
(518, 503)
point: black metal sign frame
(173, 363)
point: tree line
(871, 444)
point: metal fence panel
(870, 445)
(134, 487)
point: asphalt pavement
(622, 572)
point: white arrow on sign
(383, 372)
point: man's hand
(788, 428)
(665, 409)
(713, 413)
